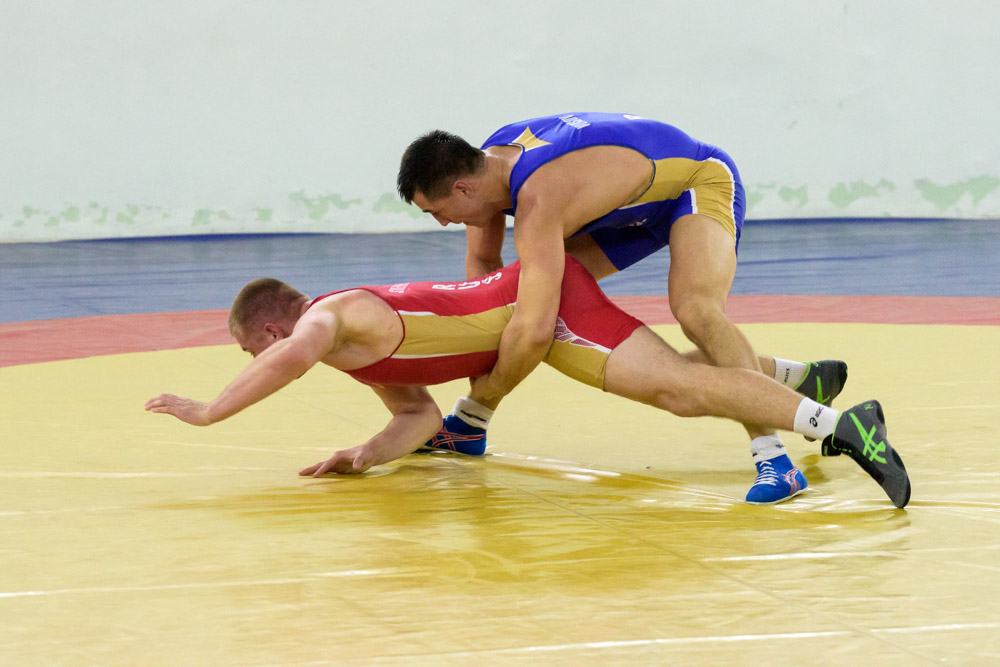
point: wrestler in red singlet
(452, 330)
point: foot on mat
(457, 436)
(860, 433)
(777, 481)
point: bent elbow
(432, 413)
(435, 421)
(539, 337)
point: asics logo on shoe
(873, 450)
(449, 440)
(793, 482)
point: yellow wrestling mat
(595, 531)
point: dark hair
(263, 300)
(432, 163)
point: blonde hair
(264, 300)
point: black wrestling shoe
(860, 433)
(823, 382)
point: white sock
(472, 413)
(815, 420)
(790, 372)
(766, 447)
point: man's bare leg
(702, 268)
(587, 252)
(646, 369)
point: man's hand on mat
(346, 461)
(185, 409)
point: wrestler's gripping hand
(346, 461)
(185, 409)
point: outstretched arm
(415, 418)
(282, 362)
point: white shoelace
(767, 475)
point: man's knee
(699, 318)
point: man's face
(257, 340)
(461, 206)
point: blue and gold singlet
(689, 176)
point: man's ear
(464, 187)
(273, 329)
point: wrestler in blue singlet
(688, 177)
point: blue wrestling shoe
(457, 436)
(777, 481)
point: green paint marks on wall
(203, 216)
(844, 194)
(71, 214)
(264, 214)
(758, 193)
(799, 195)
(128, 216)
(946, 196)
(94, 206)
(391, 203)
(319, 206)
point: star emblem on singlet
(528, 141)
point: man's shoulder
(581, 164)
(347, 305)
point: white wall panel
(124, 118)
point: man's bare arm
(282, 362)
(415, 419)
(528, 336)
(484, 247)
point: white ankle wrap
(472, 413)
